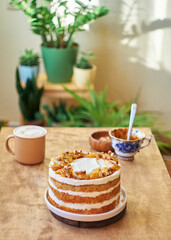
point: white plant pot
(83, 76)
(28, 72)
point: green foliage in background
(76, 117)
(61, 114)
(29, 58)
(102, 113)
(58, 21)
(29, 97)
(84, 60)
(56, 114)
(3, 123)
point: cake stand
(90, 221)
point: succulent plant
(84, 60)
(29, 97)
(29, 58)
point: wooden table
(24, 215)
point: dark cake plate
(90, 221)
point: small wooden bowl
(99, 145)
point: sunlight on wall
(155, 39)
(150, 44)
(128, 15)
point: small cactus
(29, 58)
(29, 97)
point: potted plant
(29, 65)
(84, 71)
(57, 22)
(29, 100)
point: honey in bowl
(122, 134)
(105, 139)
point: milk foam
(30, 131)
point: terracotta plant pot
(83, 76)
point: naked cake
(84, 183)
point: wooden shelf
(56, 90)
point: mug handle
(149, 141)
(7, 145)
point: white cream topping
(82, 194)
(84, 164)
(81, 205)
(29, 131)
(77, 182)
(89, 164)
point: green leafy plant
(67, 116)
(58, 21)
(76, 117)
(29, 58)
(102, 113)
(98, 111)
(84, 60)
(57, 114)
(3, 123)
(29, 97)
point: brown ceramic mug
(29, 144)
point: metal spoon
(132, 116)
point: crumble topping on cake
(84, 166)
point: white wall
(15, 36)
(115, 68)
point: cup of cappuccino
(29, 144)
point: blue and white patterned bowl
(126, 150)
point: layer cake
(84, 183)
